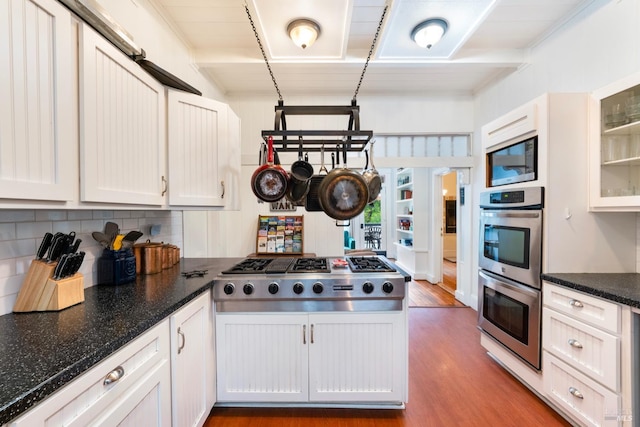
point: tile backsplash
(21, 232)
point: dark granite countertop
(623, 288)
(42, 351)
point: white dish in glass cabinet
(615, 146)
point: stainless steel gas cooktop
(311, 284)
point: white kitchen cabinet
(192, 363)
(586, 356)
(122, 131)
(615, 146)
(139, 391)
(411, 221)
(357, 357)
(322, 358)
(199, 133)
(38, 158)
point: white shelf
(404, 215)
(404, 200)
(408, 185)
(404, 231)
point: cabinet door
(38, 157)
(615, 146)
(262, 358)
(192, 376)
(231, 163)
(197, 134)
(358, 357)
(122, 110)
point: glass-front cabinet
(615, 146)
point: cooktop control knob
(318, 288)
(387, 287)
(367, 288)
(229, 288)
(247, 289)
(273, 288)
(298, 288)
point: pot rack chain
(264, 55)
(373, 44)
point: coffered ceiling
(486, 39)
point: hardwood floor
(452, 382)
(426, 294)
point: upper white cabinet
(615, 146)
(122, 127)
(199, 132)
(38, 159)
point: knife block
(39, 292)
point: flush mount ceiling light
(429, 32)
(303, 32)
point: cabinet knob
(574, 343)
(114, 376)
(576, 303)
(576, 393)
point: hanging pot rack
(288, 140)
(285, 140)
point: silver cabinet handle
(574, 391)
(113, 376)
(184, 341)
(574, 343)
(311, 334)
(164, 186)
(223, 189)
(576, 303)
(304, 334)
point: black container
(116, 267)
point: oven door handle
(496, 283)
(511, 214)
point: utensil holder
(116, 267)
(39, 292)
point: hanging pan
(312, 202)
(343, 193)
(270, 181)
(301, 173)
(372, 177)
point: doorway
(449, 232)
(368, 230)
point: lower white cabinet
(130, 388)
(587, 356)
(318, 357)
(192, 363)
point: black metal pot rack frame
(288, 140)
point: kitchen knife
(57, 248)
(62, 264)
(77, 262)
(69, 265)
(44, 245)
(75, 246)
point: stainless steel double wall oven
(510, 262)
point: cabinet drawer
(581, 397)
(600, 313)
(84, 399)
(591, 350)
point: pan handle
(366, 156)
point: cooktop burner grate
(249, 265)
(368, 264)
(310, 265)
